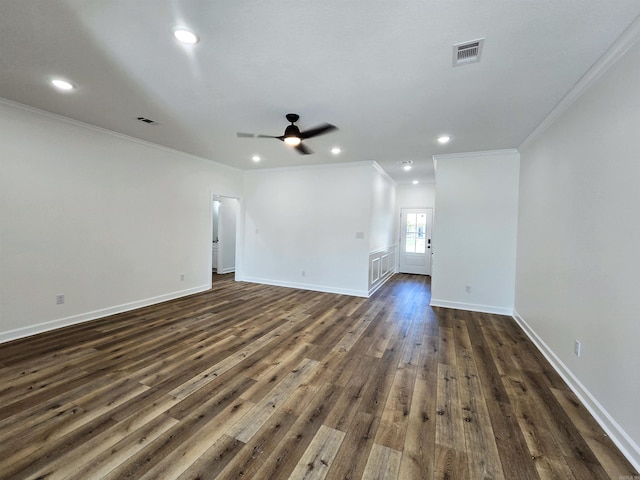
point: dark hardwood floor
(249, 381)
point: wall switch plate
(577, 347)
(59, 299)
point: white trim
(375, 288)
(381, 170)
(624, 442)
(226, 270)
(383, 249)
(95, 128)
(375, 269)
(628, 38)
(310, 166)
(472, 307)
(483, 153)
(306, 286)
(377, 260)
(88, 316)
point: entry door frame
(411, 267)
(238, 231)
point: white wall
(383, 200)
(578, 238)
(109, 222)
(306, 219)
(474, 232)
(415, 196)
(228, 217)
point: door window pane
(415, 236)
(410, 234)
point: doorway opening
(415, 241)
(224, 220)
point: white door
(415, 241)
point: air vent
(467, 52)
(147, 120)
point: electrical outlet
(577, 348)
(467, 289)
(304, 274)
(60, 299)
(182, 277)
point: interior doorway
(415, 241)
(224, 219)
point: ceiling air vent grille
(147, 120)
(467, 52)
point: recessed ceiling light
(415, 182)
(185, 36)
(406, 164)
(336, 150)
(62, 84)
(444, 139)
(256, 158)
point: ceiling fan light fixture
(293, 141)
(292, 135)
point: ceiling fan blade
(303, 150)
(319, 130)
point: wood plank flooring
(249, 381)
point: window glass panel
(416, 232)
(421, 225)
(410, 245)
(411, 222)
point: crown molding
(485, 153)
(628, 38)
(381, 170)
(310, 166)
(122, 136)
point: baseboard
(227, 270)
(471, 307)
(624, 442)
(88, 316)
(307, 286)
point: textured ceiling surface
(379, 70)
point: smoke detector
(467, 52)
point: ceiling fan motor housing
(292, 117)
(292, 131)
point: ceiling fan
(292, 134)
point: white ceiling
(380, 70)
